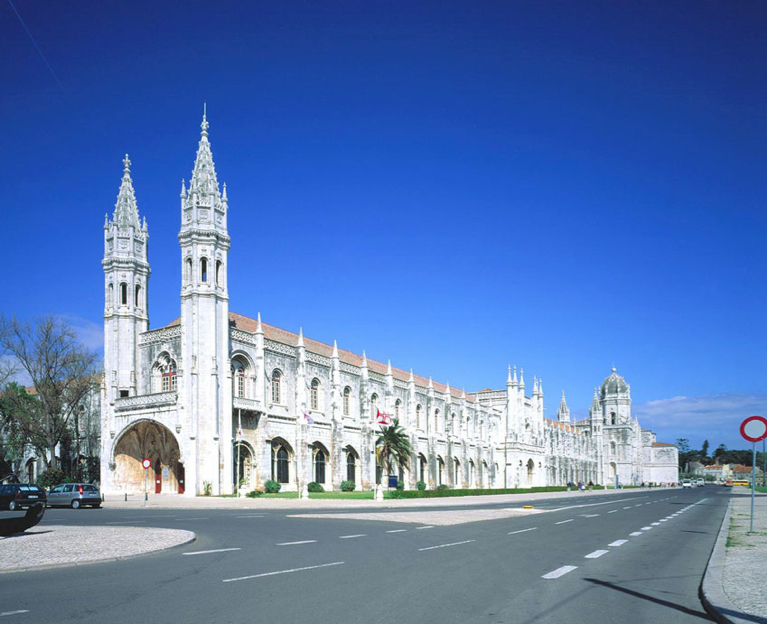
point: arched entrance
(148, 439)
(243, 466)
(530, 470)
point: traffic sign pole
(753, 487)
(753, 429)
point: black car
(15, 496)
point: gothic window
(123, 293)
(436, 421)
(418, 422)
(351, 465)
(440, 470)
(219, 273)
(347, 400)
(457, 468)
(280, 462)
(397, 408)
(238, 378)
(169, 377)
(137, 302)
(613, 419)
(164, 374)
(111, 298)
(319, 465)
(315, 395)
(188, 271)
(422, 468)
(203, 269)
(276, 383)
(612, 448)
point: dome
(614, 384)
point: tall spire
(204, 182)
(563, 413)
(126, 209)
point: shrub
(315, 487)
(400, 485)
(254, 494)
(207, 488)
(442, 487)
(347, 486)
(272, 487)
(51, 477)
(421, 485)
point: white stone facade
(217, 400)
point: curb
(711, 591)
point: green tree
(62, 372)
(704, 450)
(392, 446)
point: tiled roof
(563, 426)
(289, 338)
(657, 444)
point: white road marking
(430, 526)
(655, 523)
(596, 554)
(446, 545)
(206, 552)
(629, 507)
(618, 543)
(635, 533)
(180, 519)
(352, 536)
(559, 572)
(639, 505)
(397, 531)
(294, 543)
(523, 530)
(14, 612)
(613, 511)
(610, 502)
(589, 515)
(564, 521)
(251, 516)
(646, 529)
(127, 522)
(252, 576)
(664, 519)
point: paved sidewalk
(735, 585)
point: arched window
(280, 462)
(203, 269)
(422, 468)
(457, 471)
(440, 470)
(613, 419)
(314, 395)
(319, 465)
(612, 448)
(168, 375)
(238, 378)
(219, 273)
(418, 422)
(347, 400)
(351, 465)
(276, 383)
(188, 270)
(137, 301)
(111, 298)
(436, 421)
(397, 408)
(123, 293)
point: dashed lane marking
(635, 533)
(655, 523)
(446, 545)
(296, 543)
(523, 530)
(559, 572)
(613, 511)
(207, 552)
(127, 522)
(251, 516)
(252, 576)
(397, 531)
(646, 528)
(589, 515)
(352, 536)
(17, 612)
(618, 543)
(629, 507)
(664, 519)
(564, 521)
(596, 554)
(181, 519)
(430, 526)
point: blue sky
(455, 186)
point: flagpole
(239, 450)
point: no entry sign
(147, 463)
(754, 428)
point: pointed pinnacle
(364, 359)
(223, 194)
(335, 349)
(300, 336)
(388, 367)
(431, 383)
(411, 378)
(259, 328)
(509, 381)
(126, 165)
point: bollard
(126, 497)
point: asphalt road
(633, 557)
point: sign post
(146, 463)
(753, 429)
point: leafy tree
(686, 454)
(704, 450)
(62, 372)
(393, 446)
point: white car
(686, 483)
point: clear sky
(457, 186)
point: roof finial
(204, 124)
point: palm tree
(392, 446)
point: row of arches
(122, 294)
(202, 273)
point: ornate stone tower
(205, 389)
(126, 278)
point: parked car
(74, 495)
(15, 496)
(686, 483)
(700, 483)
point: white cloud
(714, 418)
(90, 334)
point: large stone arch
(152, 440)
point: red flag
(382, 418)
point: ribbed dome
(614, 384)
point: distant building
(216, 398)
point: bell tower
(126, 280)
(204, 383)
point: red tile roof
(289, 338)
(657, 444)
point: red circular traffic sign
(147, 463)
(754, 428)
